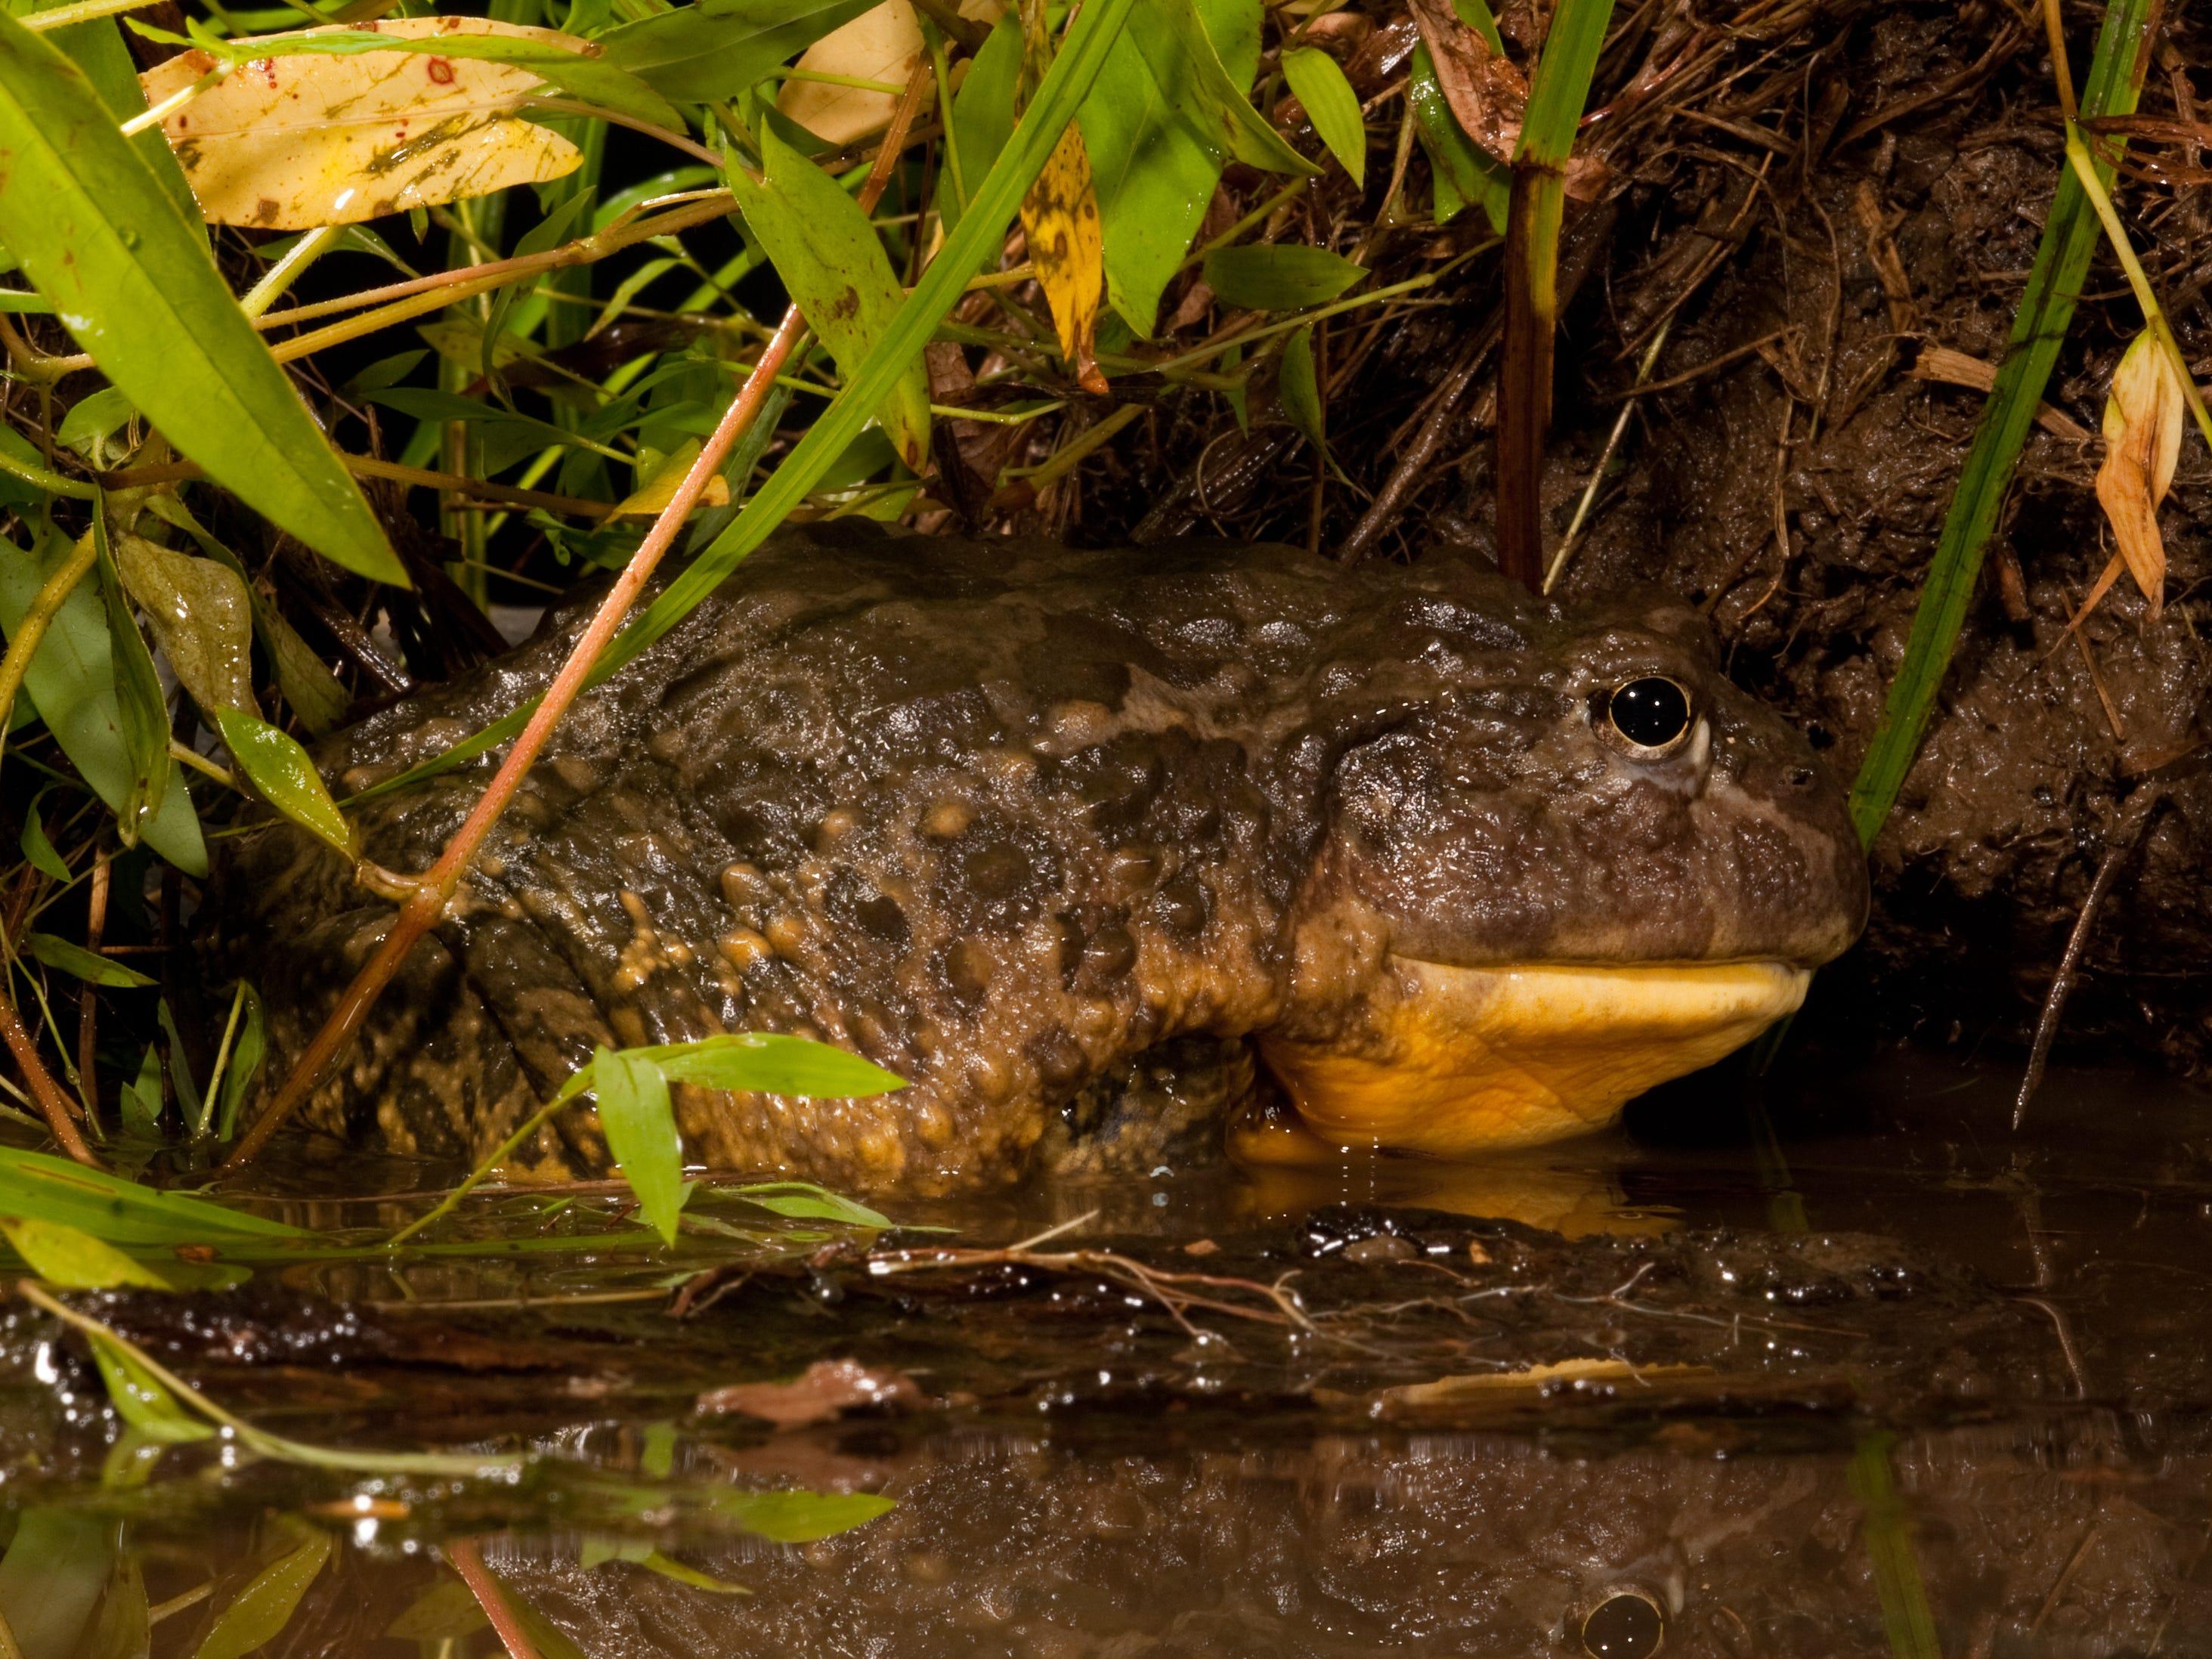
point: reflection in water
(1612, 1400)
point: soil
(1836, 192)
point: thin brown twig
(1405, 477)
(88, 1003)
(53, 1104)
(1173, 1291)
(437, 886)
(2123, 843)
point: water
(1851, 1369)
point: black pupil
(1651, 713)
(1623, 1627)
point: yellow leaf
(291, 143)
(651, 499)
(1060, 218)
(2143, 442)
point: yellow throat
(1466, 1059)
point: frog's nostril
(1628, 1625)
(1799, 777)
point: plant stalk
(1557, 89)
(53, 592)
(1524, 377)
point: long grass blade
(2046, 310)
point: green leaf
(92, 422)
(247, 1051)
(1461, 170)
(52, 1579)
(718, 48)
(983, 113)
(308, 684)
(802, 1201)
(180, 1066)
(445, 1612)
(73, 1259)
(143, 1400)
(140, 1100)
(50, 1189)
(1478, 16)
(1559, 85)
(97, 236)
(797, 1517)
(1278, 278)
(265, 1606)
(515, 436)
(2070, 233)
(1331, 105)
(72, 679)
(1209, 100)
(87, 965)
(597, 1551)
(138, 698)
(37, 848)
(640, 1124)
(15, 490)
(201, 618)
(759, 1062)
(1152, 174)
(123, 1629)
(833, 266)
(286, 777)
(1299, 388)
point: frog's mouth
(1459, 1060)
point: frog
(1397, 858)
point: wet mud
(1836, 1368)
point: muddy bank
(1798, 492)
(1825, 206)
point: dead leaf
(1529, 1379)
(884, 45)
(2142, 442)
(1481, 1392)
(1943, 366)
(1878, 229)
(1488, 96)
(294, 143)
(824, 1390)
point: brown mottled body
(1004, 817)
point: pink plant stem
(436, 890)
(463, 1557)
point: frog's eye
(1626, 1624)
(1647, 715)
